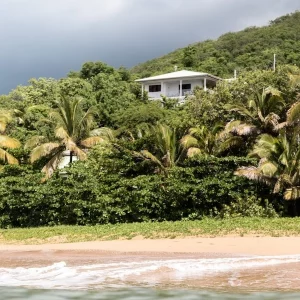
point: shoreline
(232, 245)
(268, 263)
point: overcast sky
(48, 38)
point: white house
(66, 159)
(177, 84)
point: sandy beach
(249, 263)
(248, 245)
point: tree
(166, 151)
(7, 142)
(201, 140)
(39, 91)
(293, 75)
(279, 164)
(142, 113)
(72, 133)
(237, 138)
(293, 115)
(189, 56)
(91, 69)
(112, 96)
(262, 111)
(246, 50)
(208, 108)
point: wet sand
(277, 277)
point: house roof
(178, 74)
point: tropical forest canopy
(246, 50)
(233, 151)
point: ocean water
(138, 278)
(139, 294)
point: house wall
(153, 94)
(171, 88)
(65, 160)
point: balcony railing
(184, 93)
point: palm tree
(201, 140)
(237, 136)
(72, 133)
(293, 114)
(7, 142)
(279, 165)
(293, 75)
(261, 111)
(167, 151)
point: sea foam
(143, 273)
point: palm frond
(79, 152)
(253, 173)
(43, 150)
(232, 125)
(278, 185)
(292, 193)
(193, 151)
(5, 118)
(231, 142)
(2, 126)
(244, 129)
(92, 141)
(188, 141)
(52, 165)
(104, 132)
(56, 117)
(273, 91)
(252, 103)
(61, 133)
(228, 129)
(70, 145)
(271, 101)
(148, 155)
(265, 146)
(268, 168)
(241, 110)
(8, 158)
(294, 79)
(167, 160)
(165, 142)
(198, 131)
(293, 114)
(8, 142)
(86, 119)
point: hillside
(249, 49)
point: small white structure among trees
(177, 84)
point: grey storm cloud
(48, 38)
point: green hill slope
(249, 49)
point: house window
(154, 88)
(186, 86)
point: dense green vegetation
(135, 160)
(249, 49)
